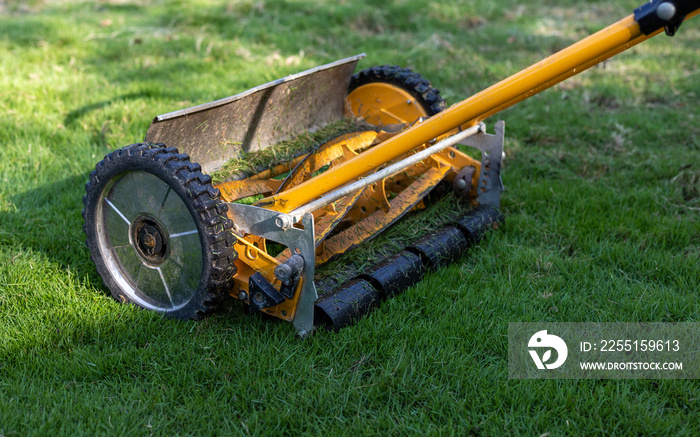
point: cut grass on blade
(250, 163)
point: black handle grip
(668, 14)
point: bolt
(666, 11)
(283, 221)
(258, 297)
(283, 272)
(243, 295)
(460, 184)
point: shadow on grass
(83, 111)
(27, 30)
(48, 219)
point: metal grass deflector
(213, 133)
(167, 238)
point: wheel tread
(210, 210)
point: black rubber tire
(208, 214)
(413, 83)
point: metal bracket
(491, 147)
(262, 293)
(261, 222)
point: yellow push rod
(526, 83)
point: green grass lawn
(602, 204)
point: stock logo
(546, 342)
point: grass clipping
(250, 163)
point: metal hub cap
(149, 239)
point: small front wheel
(388, 94)
(158, 232)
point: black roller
(360, 295)
(395, 274)
(441, 248)
(476, 222)
(345, 304)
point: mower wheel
(389, 94)
(158, 232)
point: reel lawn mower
(167, 237)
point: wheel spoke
(186, 251)
(176, 217)
(141, 268)
(120, 198)
(167, 194)
(182, 234)
(131, 264)
(116, 226)
(152, 289)
(149, 193)
(165, 284)
(117, 211)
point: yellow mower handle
(626, 33)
